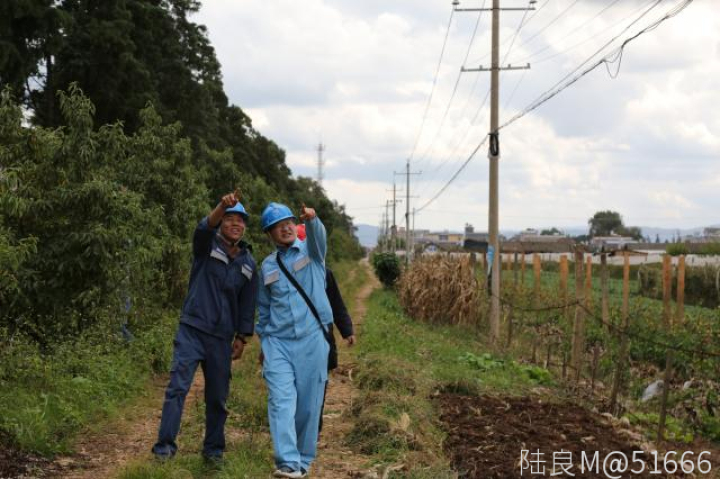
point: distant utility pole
(413, 229)
(395, 201)
(387, 225)
(407, 209)
(321, 163)
(494, 155)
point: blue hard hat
(274, 213)
(238, 209)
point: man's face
(232, 227)
(284, 232)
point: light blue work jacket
(282, 311)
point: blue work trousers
(193, 347)
(295, 371)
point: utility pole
(407, 209)
(494, 157)
(321, 163)
(413, 229)
(395, 201)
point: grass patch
(249, 449)
(403, 363)
(48, 396)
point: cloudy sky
(357, 75)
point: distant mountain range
(367, 234)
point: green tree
(29, 35)
(604, 223)
(111, 216)
(551, 232)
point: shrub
(387, 268)
(676, 249)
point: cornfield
(442, 289)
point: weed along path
(335, 459)
(108, 447)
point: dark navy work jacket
(222, 294)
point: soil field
(486, 435)
(15, 464)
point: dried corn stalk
(441, 289)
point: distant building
(712, 234)
(611, 242)
(472, 235)
(531, 235)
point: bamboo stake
(624, 342)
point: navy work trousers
(193, 347)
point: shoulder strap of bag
(304, 296)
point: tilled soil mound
(15, 464)
(487, 434)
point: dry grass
(442, 289)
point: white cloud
(357, 76)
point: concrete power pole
(407, 209)
(321, 163)
(395, 201)
(494, 157)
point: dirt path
(101, 453)
(335, 460)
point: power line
(509, 37)
(507, 54)
(522, 77)
(432, 91)
(455, 88)
(582, 42)
(555, 19)
(613, 57)
(454, 176)
(571, 32)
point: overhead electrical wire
(521, 24)
(591, 37)
(442, 190)
(455, 88)
(584, 24)
(571, 32)
(613, 57)
(432, 91)
(509, 37)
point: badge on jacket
(247, 271)
(219, 254)
(301, 263)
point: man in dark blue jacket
(217, 317)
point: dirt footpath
(487, 434)
(335, 460)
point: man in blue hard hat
(217, 316)
(294, 346)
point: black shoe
(163, 458)
(215, 462)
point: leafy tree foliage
(100, 193)
(550, 232)
(605, 223)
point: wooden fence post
(515, 269)
(668, 323)
(680, 311)
(578, 345)
(624, 341)
(605, 301)
(588, 283)
(522, 270)
(564, 283)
